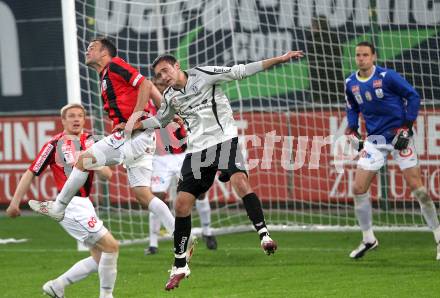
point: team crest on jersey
(379, 93)
(368, 95)
(377, 84)
(358, 98)
(355, 89)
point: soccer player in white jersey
(167, 162)
(80, 220)
(195, 96)
(124, 92)
(389, 106)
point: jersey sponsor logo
(221, 70)
(377, 84)
(355, 89)
(379, 93)
(42, 158)
(368, 95)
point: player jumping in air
(389, 106)
(124, 92)
(168, 160)
(195, 96)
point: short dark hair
(107, 44)
(367, 44)
(164, 57)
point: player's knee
(183, 208)
(240, 183)
(112, 246)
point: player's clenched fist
(13, 210)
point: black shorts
(199, 168)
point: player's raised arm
(241, 71)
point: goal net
(292, 117)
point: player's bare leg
(55, 209)
(254, 210)
(363, 211)
(413, 179)
(182, 233)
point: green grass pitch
(307, 264)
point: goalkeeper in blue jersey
(389, 106)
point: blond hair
(69, 106)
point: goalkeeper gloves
(402, 137)
(354, 138)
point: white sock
(363, 211)
(75, 181)
(158, 207)
(204, 210)
(154, 228)
(428, 210)
(107, 270)
(77, 272)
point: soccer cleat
(438, 252)
(46, 208)
(50, 290)
(363, 248)
(191, 247)
(152, 250)
(211, 242)
(268, 245)
(176, 275)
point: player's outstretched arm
(23, 186)
(241, 71)
(268, 63)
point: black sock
(182, 232)
(255, 213)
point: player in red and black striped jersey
(80, 220)
(59, 153)
(125, 93)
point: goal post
(290, 117)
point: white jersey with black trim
(203, 106)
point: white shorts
(165, 169)
(136, 154)
(81, 222)
(373, 157)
